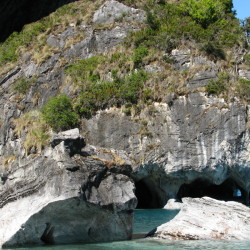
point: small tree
(59, 113)
(206, 12)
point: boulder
(205, 219)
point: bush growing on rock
(37, 131)
(99, 95)
(139, 54)
(214, 87)
(243, 88)
(22, 85)
(59, 113)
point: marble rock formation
(66, 196)
(206, 219)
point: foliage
(95, 94)
(8, 49)
(190, 20)
(22, 85)
(247, 59)
(31, 34)
(152, 21)
(100, 95)
(243, 88)
(214, 50)
(59, 113)
(206, 12)
(83, 70)
(139, 54)
(36, 131)
(246, 27)
(216, 87)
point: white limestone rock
(66, 195)
(112, 11)
(172, 204)
(205, 219)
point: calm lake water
(145, 221)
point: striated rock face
(188, 138)
(64, 196)
(206, 219)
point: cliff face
(191, 137)
(183, 143)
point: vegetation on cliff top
(118, 78)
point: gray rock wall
(191, 137)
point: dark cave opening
(14, 14)
(229, 190)
(146, 194)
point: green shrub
(8, 49)
(152, 21)
(22, 85)
(206, 12)
(99, 95)
(171, 23)
(83, 70)
(131, 89)
(214, 50)
(215, 87)
(243, 88)
(59, 113)
(139, 54)
(247, 59)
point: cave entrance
(147, 195)
(229, 190)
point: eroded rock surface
(174, 143)
(206, 219)
(64, 196)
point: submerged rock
(67, 195)
(206, 218)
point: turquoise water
(145, 221)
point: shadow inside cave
(151, 196)
(147, 195)
(229, 190)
